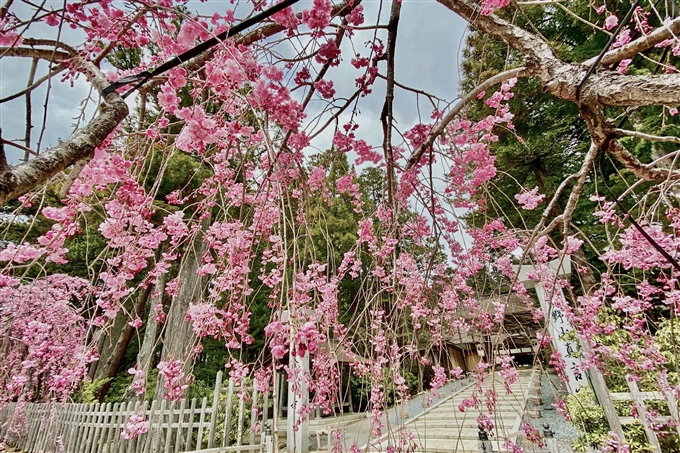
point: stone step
(462, 446)
(456, 426)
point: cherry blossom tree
(249, 109)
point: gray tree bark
(18, 180)
(115, 342)
(179, 338)
(145, 356)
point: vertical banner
(563, 338)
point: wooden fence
(638, 399)
(232, 423)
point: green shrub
(588, 417)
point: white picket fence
(233, 422)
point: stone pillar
(297, 434)
(558, 325)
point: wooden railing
(232, 423)
(638, 399)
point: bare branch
(321, 74)
(5, 8)
(582, 175)
(411, 89)
(640, 44)
(32, 42)
(43, 54)
(26, 150)
(56, 70)
(581, 19)
(650, 137)
(609, 88)
(72, 176)
(561, 79)
(540, 58)
(640, 170)
(387, 114)
(29, 110)
(337, 114)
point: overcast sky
(428, 47)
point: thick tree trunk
(179, 338)
(145, 356)
(116, 341)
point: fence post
(180, 422)
(485, 445)
(639, 403)
(227, 415)
(253, 413)
(550, 440)
(670, 400)
(215, 409)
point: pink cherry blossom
(610, 22)
(135, 426)
(529, 199)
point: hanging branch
(441, 126)
(29, 113)
(387, 115)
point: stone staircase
(444, 428)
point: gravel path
(551, 389)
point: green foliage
(667, 338)
(180, 171)
(335, 223)
(151, 382)
(416, 376)
(360, 386)
(125, 58)
(589, 418)
(200, 389)
(372, 183)
(89, 390)
(119, 387)
(82, 248)
(206, 366)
